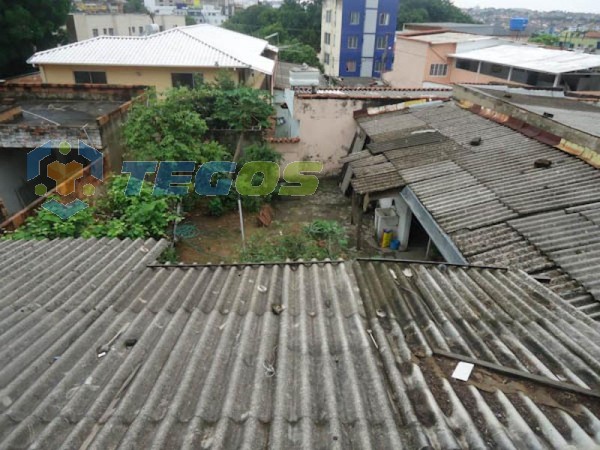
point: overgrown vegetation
(113, 215)
(218, 206)
(320, 240)
(174, 127)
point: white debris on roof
(533, 58)
(194, 46)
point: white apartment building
(82, 26)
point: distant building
(423, 58)
(176, 7)
(446, 58)
(85, 26)
(357, 37)
(210, 14)
(175, 57)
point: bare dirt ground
(205, 239)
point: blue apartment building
(357, 37)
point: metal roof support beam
(441, 240)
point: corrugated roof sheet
(193, 46)
(485, 195)
(534, 58)
(102, 352)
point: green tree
(300, 53)
(419, 11)
(29, 26)
(294, 22)
(545, 39)
(174, 126)
(135, 6)
(169, 129)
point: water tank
(304, 76)
(152, 28)
(518, 24)
(385, 218)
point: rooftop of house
(501, 192)
(574, 112)
(282, 74)
(374, 92)
(61, 112)
(533, 58)
(448, 37)
(104, 348)
(192, 46)
(35, 113)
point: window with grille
(438, 70)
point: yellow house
(177, 57)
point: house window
(378, 66)
(326, 58)
(384, 19)
(328, 16)
(465, 64)
(354, 18)
(104, 31)
(141, 30)
(95, 32)
(186, 79)
(352, 41)
(351, 66)
(327, 38)
(438, 70)
(90, 77)
(381, 42)
(161, 28)
(111, 31)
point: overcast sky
(540, 5)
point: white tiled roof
(194, 46)
(533, 58)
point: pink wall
(410, 59)
(438, 54)
(465, 76)
(413, 60)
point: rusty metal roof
(103, 351)
(482, 184)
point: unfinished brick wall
(70, 91)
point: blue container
(518, 24)
(395, 244)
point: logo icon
(56, 163)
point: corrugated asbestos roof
(102, 352)
(491, 200)
(534, 58)
(193, 46)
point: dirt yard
(204, 239)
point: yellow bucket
(386, 238)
